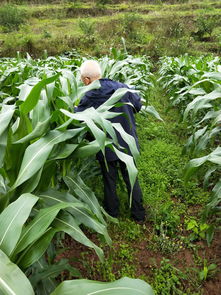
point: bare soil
(146, 260)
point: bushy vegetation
(11, 17)
(171, 28)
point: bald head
(90, 71)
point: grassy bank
(152, 29)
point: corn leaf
(37, 153)
(37, 249)
(12, 220)
(38, 226)
(12, 280)
(78, 187)
(67, 224)
(39, 130)
(124, 286)
(82, 215)
(214, 157)
(33, 97)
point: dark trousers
(111, 201)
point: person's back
(130, 105)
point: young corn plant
(194, 85)
(41, 192)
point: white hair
(90, 69)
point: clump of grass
(11, 17)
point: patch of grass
(132, 230)
(119, 262)
(11, 17)
(165, 29)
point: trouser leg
(111, 201)
(137, 209)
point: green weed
(119, 262)
(198, 229)
(167, 279)
(132, 230)
(165, 244)
(208, 271)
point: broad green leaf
(67, 224)
(12, 220)
(130, 140)
(12, 280)
(82, 90)
(31, 184)
(33, 97)
(78, 187)
(45, 286)
(210, 115)
(3, 144)
(41, 112)
(124, 286)
(24, 127)
(62, 151)
(107, 125)
(89, 117)
(201, 102)
(206, 138)
(87, 150)
(25, 89)
(216, 198)
(52, 271)
(213, 75)
(4, 198)
(82, 215)
(131, 168)
(48, 172)
(115, 97)
(38, 226)
(37, 153)
(218, 118)
(52, 196)
(39, 130)
(6, 114)
(151, 110)
(207, 176)
(214, 157)
(37, 249)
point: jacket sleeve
(136, 101)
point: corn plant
(194, 85)
(42, 193)
(24, 245)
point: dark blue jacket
(94, 98)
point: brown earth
(146, 260)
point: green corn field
(43, 152)
(55, 235)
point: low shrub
(204, 25)
(11, 17)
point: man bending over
(91, 71)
